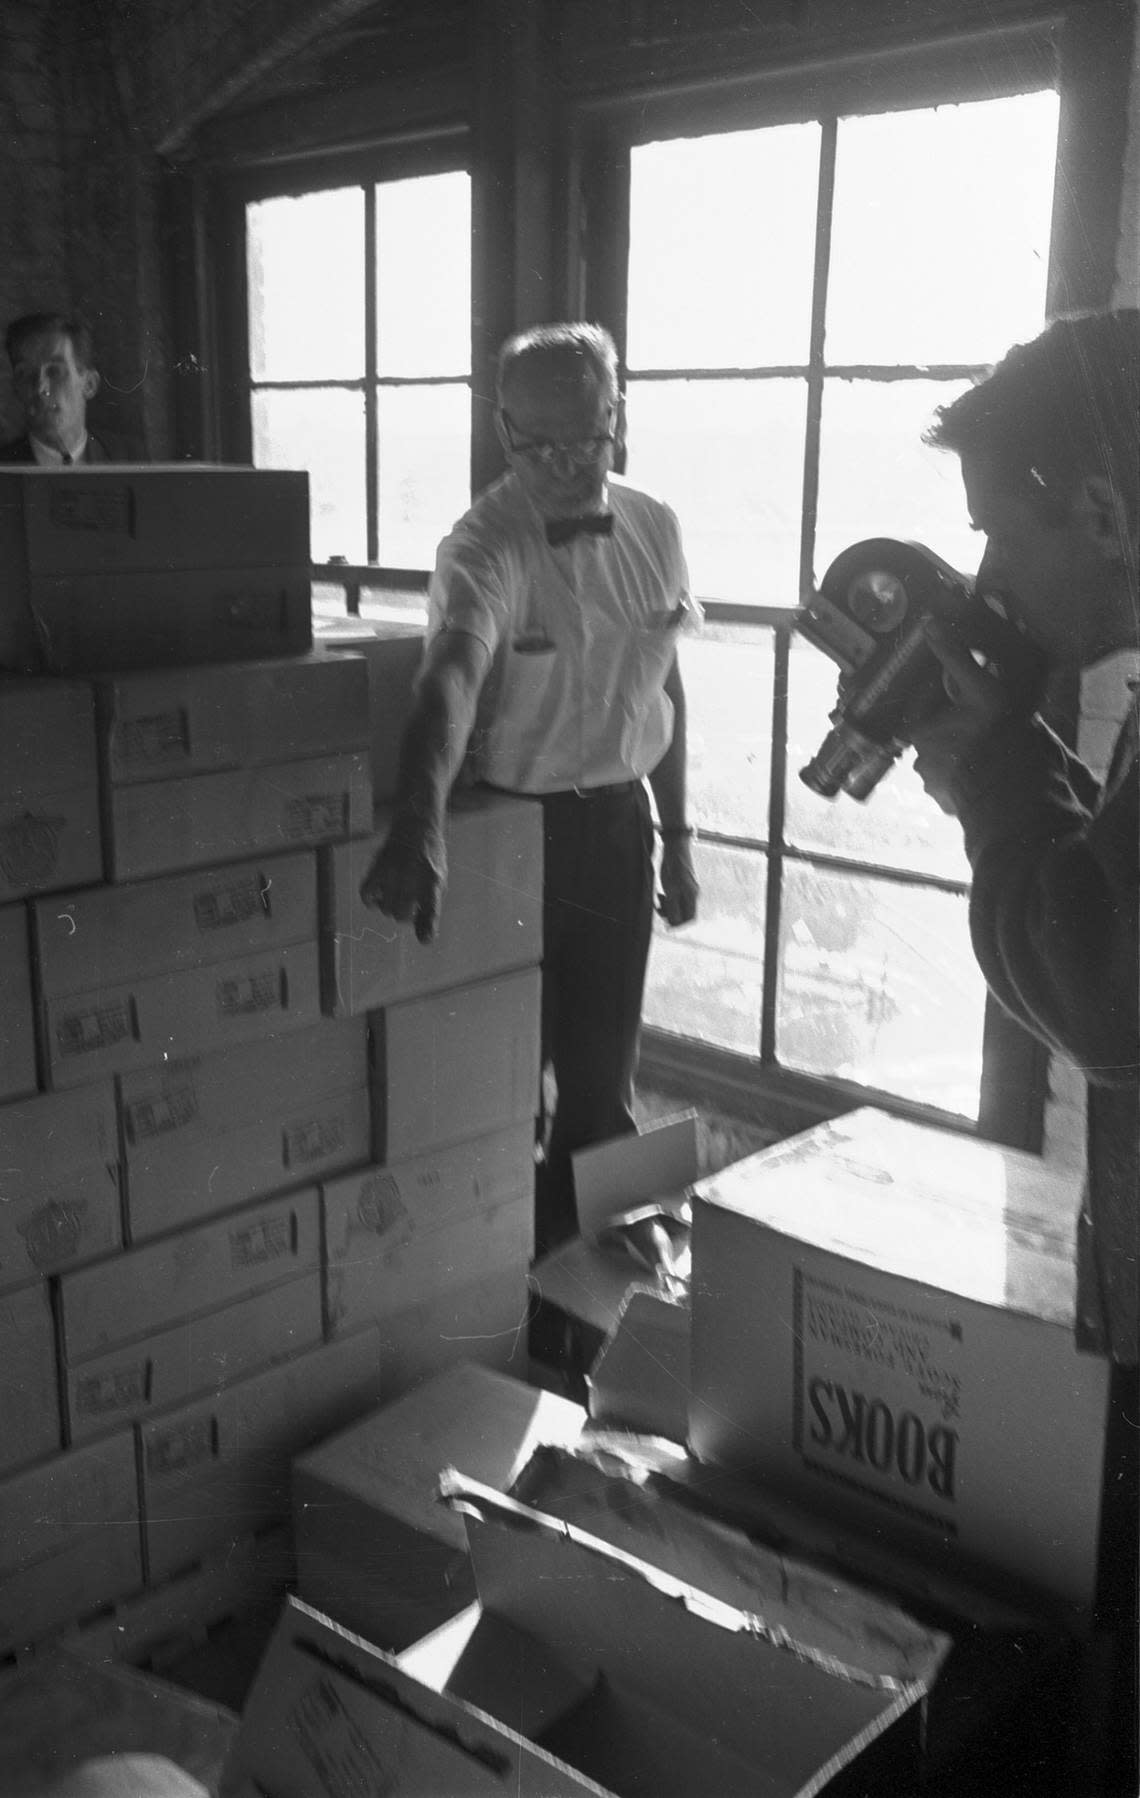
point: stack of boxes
(263, 1159)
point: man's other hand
(954, 733)
(408, 875)
(677, 901)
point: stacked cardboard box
(201, 1075)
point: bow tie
(563, 530)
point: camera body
(868, 616)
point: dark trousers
(597, 924)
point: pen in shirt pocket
(532, 643)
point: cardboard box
(204, 1134)
(987, 1669)
(219, 1468)
(640, 1379)
(69, 1539)
(582, 1286)
(49, 813)
(159, 826)
(130, 1296)
(17, 1018)
(582, 1669)
(164, 724)
(202, 1354)
(394, 654)
(59, 1182)
(29, 1399)
(396, 1235)
(113, 1029)
(109, 936)
(130, 567)
(883, 1329)
(484, 1319)
(492, 911)
(375, 1548)
(455, 1064)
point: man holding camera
(1050, 454)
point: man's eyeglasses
(581, 451)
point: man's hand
(409, 874)
(977, 703)
(677, 901)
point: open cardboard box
(584, 1282)
(988, 1669)
(582, 1669)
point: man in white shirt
(54, 377)
(551, 666)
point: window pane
(878, 984)
(425, 469)
(705, 980)
(727, 672)
(423, 286)
(323, 431)
(876, 477)
(305, 264)
(722, 234)
(897, 826)
(940, 237)
(728, 457)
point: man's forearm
(434, 745)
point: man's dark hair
(576, 346)
(1055, 410)
(43, 324)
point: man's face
(548, 413)
(1067, 589)
(53, 389)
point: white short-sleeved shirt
(581, 637)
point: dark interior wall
(78, 220)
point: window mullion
(782, 657)
(371, 422)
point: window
(800, 299)
(359, 311)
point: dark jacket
(99, 449)
(1054, 919)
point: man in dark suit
(54, 377)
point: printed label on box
(240, 996)
(316, 815)
(101, 508)
(29, 849)
(877, 1397)
(312, 1140)
(52, 1234)
(100, 1027)
(163, 737)
(117, 1389)
(233, 903)
(187, 1446)
(156, 1114)
(336, 1749)
(380, 1206)
(255, 1244)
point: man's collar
(49, 457)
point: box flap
(783, 1716)
(640, 1379)
(329, 1715)
(610, 1177)
(808, 1607)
